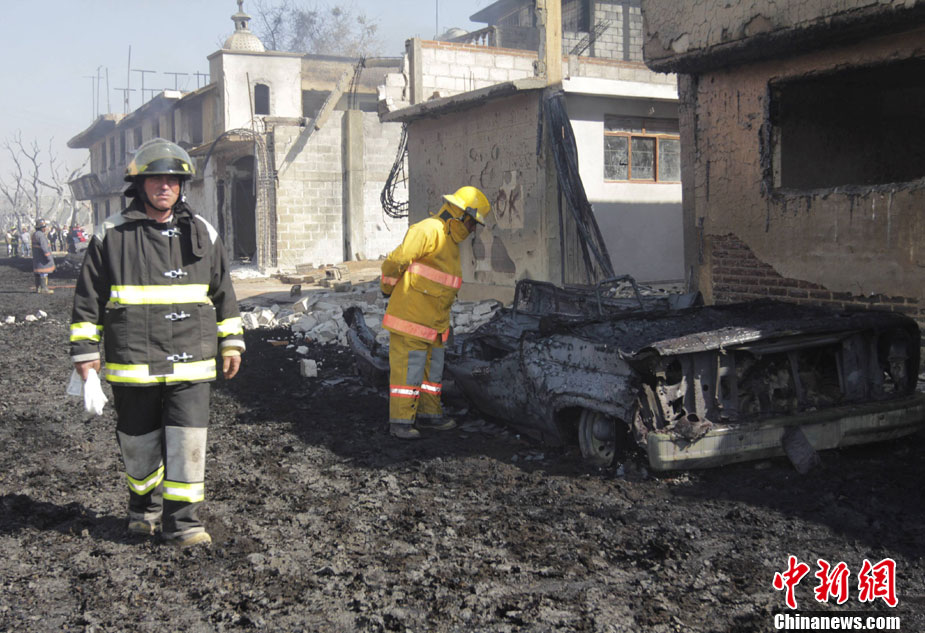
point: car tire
(597, 438)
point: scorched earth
(323, 522)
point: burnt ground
(322, 522)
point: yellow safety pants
(415, 379)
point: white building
(290, 153)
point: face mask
(458, 230)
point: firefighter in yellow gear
(422, 277)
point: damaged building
(290, 154)
(569, 206)
(801, 123)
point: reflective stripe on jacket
(422, 276)
(158, 296)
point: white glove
(94, 398)
(92, 390)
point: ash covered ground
(323, 522)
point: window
(861, 127)
(122, 144)
(261, 99)
(137, 137)
(112, 151)
(644, 150)
(103, 156)
(157, 128)
(576, 15)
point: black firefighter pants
(162, 435)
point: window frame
(658, 138)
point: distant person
(422, 277)
(155, 284)
(14, 240)
(24, 243)
(72, 239)
(43, 263)
(53, 235)
(8, 235)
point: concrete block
(302, 350)
(325, 332)
(249, 320)
(308, 368)
(265, 317)
(305, 323)
(485, 308)
(305, 304)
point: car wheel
(597, 438)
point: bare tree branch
(323, 29)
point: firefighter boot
(44, 289)
(404, 431)
(38, 282)
(436, 423)
(189, 540)
(144, 525)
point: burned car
(693, 386)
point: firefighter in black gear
(43, 263)
(155, 288)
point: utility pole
(549, 21)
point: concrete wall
(441, 69)
(322, 191)
(309, 198)
(851, 245)
(240, 72)
(676, 30)
(641, 222)
(380, 233)
(491, 146)
(450, 68)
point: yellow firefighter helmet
(469, 200)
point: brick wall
(738, 275)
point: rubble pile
(319, 316)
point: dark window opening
(857, 127)
(137, 137)
(576, 16)
(261, 99)
(195, 124)
(157, 129)
(122, 144)
(637, 149)
(112, 151)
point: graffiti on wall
(505, 192)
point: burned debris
(693, 386)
